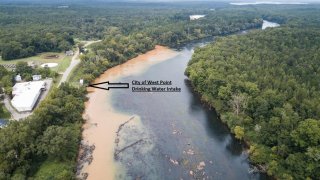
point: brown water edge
(102, 121)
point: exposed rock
(84, 175)
(191, 173)
(175, 162)
(190, 152)
(117, 152)
(201, 165)
(176, 132)
(85, 155)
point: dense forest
(115, 49)
(26, 43)
(46, 143)
(48, 139)
(169, 27)
(265, 85)
(26, 31)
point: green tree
(59, 142)
(239, 132)
(24, 70)
(307, 133)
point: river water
(268, 24)
(174, 135)
(2, 122)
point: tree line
(125, 41)
(20, 44)
(26, 31)
(265, 87)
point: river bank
(102, 121)
(107, 111)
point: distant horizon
(228, 1)
(242, 3)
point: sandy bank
(103, 121)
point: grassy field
(62, 60)
(63, 64)
(50, 169)
(75, 76)
(6, 114)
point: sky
(195, 0)
(241, 0)
(62, 1)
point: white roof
(26, 94)
(194, 17)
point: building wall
(27, 108)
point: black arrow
(110, 85)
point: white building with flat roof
(36, 77)
(26, 95)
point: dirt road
(74, 62)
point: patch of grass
(62, 60)
(55, 170)
(6, 114)
(46, 167)
(38, 59)
(56, 80)
(63, 64)
(75, 76)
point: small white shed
(36, 77)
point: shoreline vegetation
(87, 167)
(46, 144)
(102, 121)
(266, 105)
